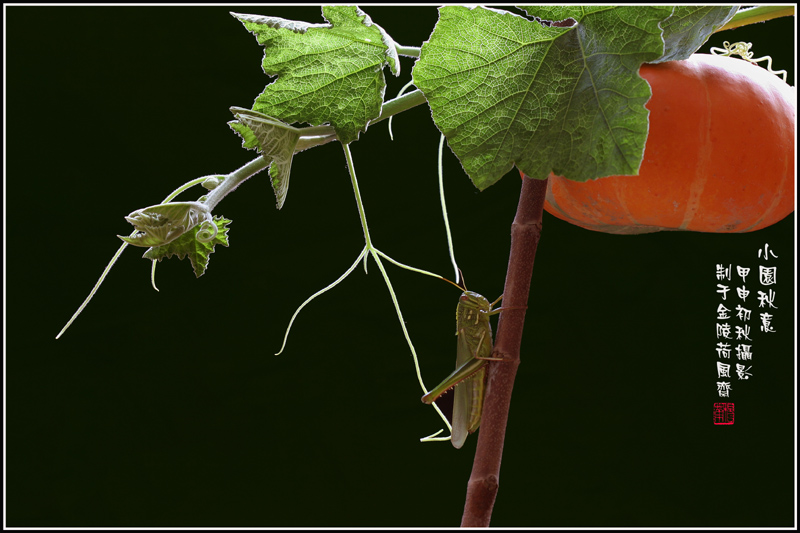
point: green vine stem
(751, 15)
(233, 180)
(525, 232)
(408, 51)
(310, 137)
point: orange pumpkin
(719, 155)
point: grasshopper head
(474, 300)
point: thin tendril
(742, 49)
(406, 86)
(208, 230)
(401, 265)
(444, 210)
(351, 169)
(326, 289)
(172, 195)
(376, 254)
(153, 276)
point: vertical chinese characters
(733, 331)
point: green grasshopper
(474, 351)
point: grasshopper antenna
(461, 286)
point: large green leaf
(509, 91)
(689, 28)
(327, 73)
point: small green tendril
(742, 49)
(153, 275)
(405, 87)
(208, 230)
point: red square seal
(723, 414)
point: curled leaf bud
(161, 224)
(212, 183)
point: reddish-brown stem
(525, 232)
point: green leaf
(560, 13)
(327, 73)
(689, 28)
(188, 245)
(163, 223)
(685, 31)
(276, 141)
(249, 140)
(508, 91)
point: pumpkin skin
(719, 155)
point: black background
(168, 409)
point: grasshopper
(474, 351)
